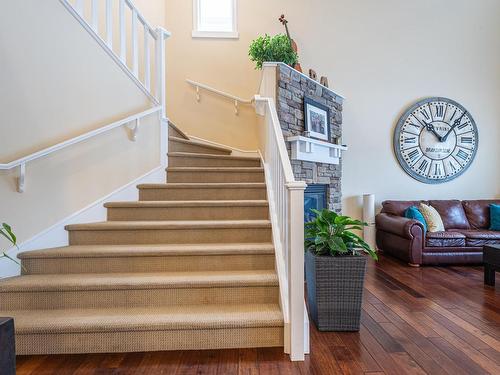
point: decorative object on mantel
(369, 218)
(277, 48)
(335, 270)
(309, 149)
(324, 81)
(435, 140)
(317, 119)
(313, 75)
(293, 45)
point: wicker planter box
(335, 291)
(7, 347)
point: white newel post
(161, 36)
(296, 268)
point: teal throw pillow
(495, 216)
(413, 213)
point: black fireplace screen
(314, 197)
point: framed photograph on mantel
(317, 119)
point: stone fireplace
(292, 87)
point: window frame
(196, 33)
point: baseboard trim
(245, 152)
(56, 235)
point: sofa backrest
(478, 212)
(452, 213)
(467, 214)
(398, 208)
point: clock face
(436, 140)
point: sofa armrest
(398, 225)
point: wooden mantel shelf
(309, 149)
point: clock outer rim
(397, 149)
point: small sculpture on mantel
(313, 75)
(324, 81)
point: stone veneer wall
(292, 86)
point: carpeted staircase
(188, 266)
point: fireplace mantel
(309, 149)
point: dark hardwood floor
(428, 320)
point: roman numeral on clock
(461, 126)
(437, 170)
(462, 155)
(423, 165)
(410, 140)
(440, 110)
(424, 113)
(465, 139)
(413, 155)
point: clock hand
(431, 129)
(455, 124)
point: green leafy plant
(331, 234)
(6, 231)
(276, 48)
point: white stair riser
(177, 263)
(128, 298)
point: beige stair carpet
(188, 266)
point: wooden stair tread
(178, 154)
(204, 185)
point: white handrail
(236, 99)
(286, 206)
(62, 145)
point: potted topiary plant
(335, 270)
(277, 48)
(7, 338)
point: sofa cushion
(452, 213)
(432, 218)
(413, 213)
(398, 208)
(480, 237)
(478, 212)
(445, 239)
(494, 216)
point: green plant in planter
(276, 48)
(331, 234)
(6, 231)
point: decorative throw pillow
(495, 216)
(432, 218)
(413, 213)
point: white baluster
(95, 15)
(135, 54)
(160, 70)
(109, 23)
(123, 32)
(79, 7)
(147, 59)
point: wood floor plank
(434, 320)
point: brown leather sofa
(466, 226)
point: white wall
(382, 55)
(57, 83)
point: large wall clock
(435, 140)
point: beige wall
(382, 55)
(56, 83)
